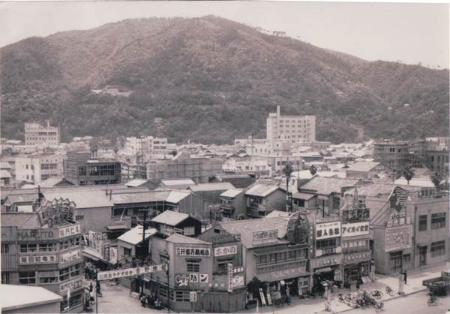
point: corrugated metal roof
(177, 196)
(171, 218)
(363, 166)
(232, 193)
(140, 197)
(261, 190)
(134, 236)
(326, 186)
(302, 196)
(81, 198)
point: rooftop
(139, 197)
(326, 186)
(219, 186)
(175, 182)
(81, 198)
(134, 236)
(246, 228)
(136, 182)
(21, 296)
(178, 238)
(232, 193)
(261, 190)
(21, 220)
(363, 166)
(170, 218)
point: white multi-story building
(148, 146)
(42, 135)
(296, 129)
(37, 168)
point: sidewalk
(317, 305)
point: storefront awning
(117, 227)
(282, 275)
(323, 270)
(92, 254)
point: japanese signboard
(397, 238)
(267, 236)
(193, 251)
(328, 230)
(37, 259)
(235, 277)
(35, 234)
(127, 272)
(68, 231)
(225, 250)
(70, 256)
(355, 229)
(72, 285)
(183, 280)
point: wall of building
(94, 219)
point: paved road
(411, 304)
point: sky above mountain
(407, 32)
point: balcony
(62, 258)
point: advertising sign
(268, 236)
(397, 238)
(35, 234)
(355, 229)
(183, 280)
(37, 259)
(68, 231)
(193, 251)
(72, 285)
(127, 272)
(328, 230)
(70, 256)
(225, 250)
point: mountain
(210, 80)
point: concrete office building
(296, 129)
(42, 135)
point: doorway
(422, 255)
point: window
(189, 231)
(437, 248)
(5, 248)
(423, 222)
(48, 279)
(182, 296)
(47, 247)
(27, 277)
(407, 258)
(126, 251)
(25, 248)
(75, 270)
(437, 221)
(64, 274)
(193, 266)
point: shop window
(437, 248)
(27, 277)
(182, 296)
(438, 221)
(193, 266)
(423, 220)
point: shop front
(356, 268)
(326, 271)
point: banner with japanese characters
(355, 229)
(328, 230)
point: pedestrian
(406, 277)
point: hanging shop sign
(184, 279)
(328, 230)
(225, 250)
(268, 236)
(398, 238)
(128, 272)
(189, 251)
(355, 229)
(74, 255)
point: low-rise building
(28, 299)
(261, 199)
(232, 204)
(364, 170)
(170, 222)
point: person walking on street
(406, 277)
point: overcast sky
(410, 33)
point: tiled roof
(171, 218)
